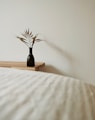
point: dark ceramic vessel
(30, 59)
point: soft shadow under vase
(30, 59)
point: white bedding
(30, 95)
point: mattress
(33, 95)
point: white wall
(68, 27)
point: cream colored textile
(30, 95)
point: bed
(32, 95)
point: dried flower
(28, 38)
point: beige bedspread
(30, 95)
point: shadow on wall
(52, 69)
(65, 58)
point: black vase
(30, 59)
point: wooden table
(39, 66)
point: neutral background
(68, 30)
